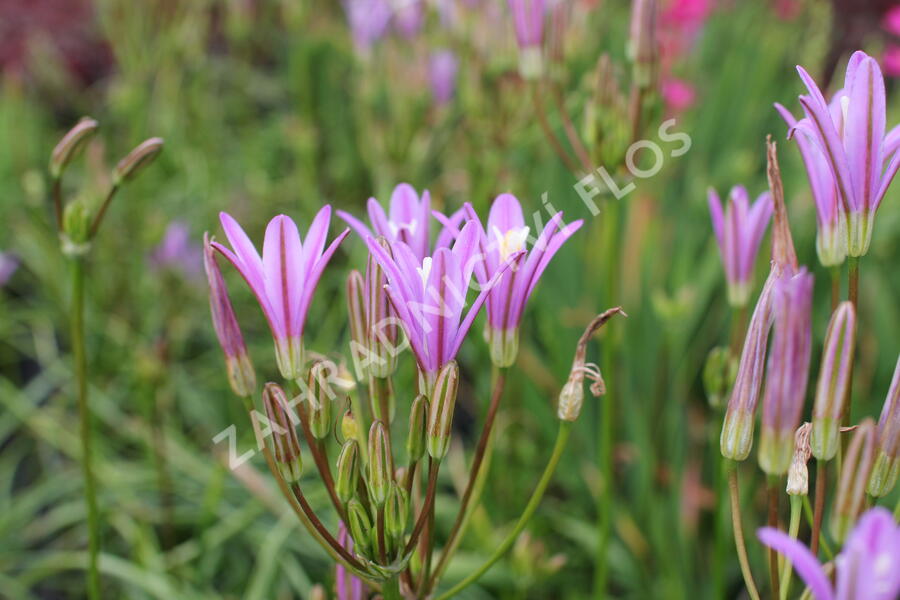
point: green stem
(391, 589)
(84, 415)
(821, 473)
(897, 511)
(537, 495)
(808, 513)
(835, 287)
(738, 529)
(793, 529)
(773, 523)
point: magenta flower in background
(528, 21)
(679, 95)
(851, 134)
(284, 278)
(177, 252)
(891, 21)
(505, 236)
(368, 20)
(8, 265)
(890, 60)
(865, 568)
(347, 586)
(442, 68)
(787, 373)
(407, 221)
(739, 232)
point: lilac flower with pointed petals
(442, 67)
(866, 566)
(8, 265)
(850, 134)
(506, 235)
(347, 586)
(739, 232)
(528, 20)
(407, 221)
(176, 251)
(429, 297)
(284, 278)
(787, 373)
(368, 20)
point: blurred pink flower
(891, 22)
(890, 60)
(679, 95)
(177, 252)
(442, 68)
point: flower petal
(806, 565)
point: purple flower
(408, 16)
(284, 278)
(442, 68)
(528, 20)
(505, 236)
(408, 221)
(177, 252)
(429, 296)
(368, 20)
(866, 566)
(8, 265)
(347, 586)
(739, 232)
(787, 373)
(850, 133)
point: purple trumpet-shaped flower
(505, 236)
(886, 469)
(408, 16)
(866, 566)
(429, 296)
(442, 68)
(739, 232)
(834, 378)
(284, 278)
(347, 586)
(407, 221)
(368, 20)
(850, 134)
(528, 20)
(788, 370)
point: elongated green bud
(834, 377)
(887, 462)
(349, 426)
(285, 445)
(418, 427)
(396, 512)
(379, 467)
(347, 471)
(321, 397)
(360, 527)
(356, 313)
(136, 160)
(719, 373)
(70, 144)
(440, 414)
(851, 492)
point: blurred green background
(267, 107)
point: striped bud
(356, 314)
(381, 326)
(642, 43)
(798, 473)
(360, 527)
(718, 375)
(136, 160)
(379, 467)
(347, 471)
(887, 462)
(851, 492)
(70, 144)
(440, 414)
(321, 398)
(241, 375)
(418, 426)
(834, 377)
(285, 445)
(396, 512)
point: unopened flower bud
(396, 512)
(75, 237)
(357, 317)
(360, 527)
(834, 377)
(418, 427)
(349, 426)
(320, 396)
(503, 344)
(347, 478)
(641, 49)
(381, 327)
(887, 462)
(798, 473)
(285, 445)
(70, 144)
(136, 160)
(241, 375)
(851, 492)
(379, 467)
(440, 413)
(718, 375)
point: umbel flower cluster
(413, 293)
(850, 161)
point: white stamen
(510, 242)
(425, 270)
(409, 226)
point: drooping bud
(503, 344)
(320, 397)
(136, 160)
(798, 473)
(834, 377)
(851, 492)
(396, 512)
(887, 460)
(349, 426)
(381, 326)
(440, 413)
(718, 375)
(282, 422)
(347, 478)
(418, 427)
(360, 527)
(70, 144)
(571, 397)
(788, 371)
(641, 49)
(356, 315)
(241, 375)
(379, 467)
